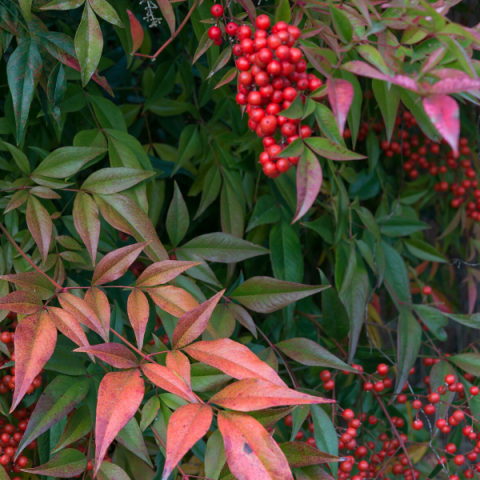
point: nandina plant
(254, 258)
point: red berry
(427, 290)
(417, 425)
(217, 10)
(474, 390)
(283, 165)
(382, 369)
(214, 33)
(263, 22)
(231, 28)
(6, 337)
(244, 32)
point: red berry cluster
(272, 75)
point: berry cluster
(381, 453)
(272, 75)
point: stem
(145, 357)
(184, 475)
(25, 256)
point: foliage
(168, 311)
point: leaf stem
(128, 343)
(25, 256)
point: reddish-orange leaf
(69, 326)
(119, 396)
(21, 302)
(138, 312)
(173, 300)
(340, 95)
(234, 359)
(193, 323)
(114, 264)
(255, 394)
(98, 302)
(179, 363)
(115, 354)
(35, 339)
(137, 31)
(250, 450)
(87, 222)
(82, 312)
(186, 427)
(40, 225)
(163, 272)
(164, 378)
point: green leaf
(40, 225)
(283, 12)
(222, 247)
(211, 189)
(299, 416)
(214, 456)
(26, 6)
(68, 463)
(327, 124)
(222, 60)
(434, 319)
(396, 275)
(335, 320)
(131, 438)
(295, 110)
(341, 24)
(56, 88)
(110, 471)
(67, 161)
(104, 10)
(472, 321)
(62, 5)
(469, 362)
(149, 412)
(308, 352)
(424, 251)
(330, 149)
(88, 43)
(295, 149)
(286, 253)
(231, 213)
(20, 158)
(266, 211)
(17, 200)
(369, 221)
(300, 454)
(114, 180)
(189, 145)
(409, 341)
(33, 282)
(266, 294)
(324, 226)
(78, 425)
(324, 433)
(58, 399)
(178, 219)
(437, 379)
(396, 226)
(388, 100)
(23, 72)
(108, 114)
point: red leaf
(82, 312)
(138, 312)
(98, 302)
(69, 326)
(444, 113)
(168, 13)
(119, 396)
(173, 300)
(163, 272)
(136, 30)
(255, 394)
(115, 354)
(193, 323)
(234, 359)
(35, 339)
(340, 95)
(87, 222)
(186, 426)
(114, 264)
(250, 450)
(21, 302)
(164, 378)
(179, 363)
(309, 182)
(40, 225)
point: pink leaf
(138, 313)
(179, 363)
(115, 354)
(136, 30)
(340, 95)
(309, 182)
(444, 113)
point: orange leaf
(35, 339)
(82, 312)
(173, 300)
(179, 363)
(138, 312)
(186, 426)
(250, 450)
(164, 378)
(255, 394)
(98, 302)
(115, 354)
(163, 272)
(114, 264)
(21, 302)
(69, 326)
(119, 396)
(234, 359)
(137, 31)
(193, 323)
